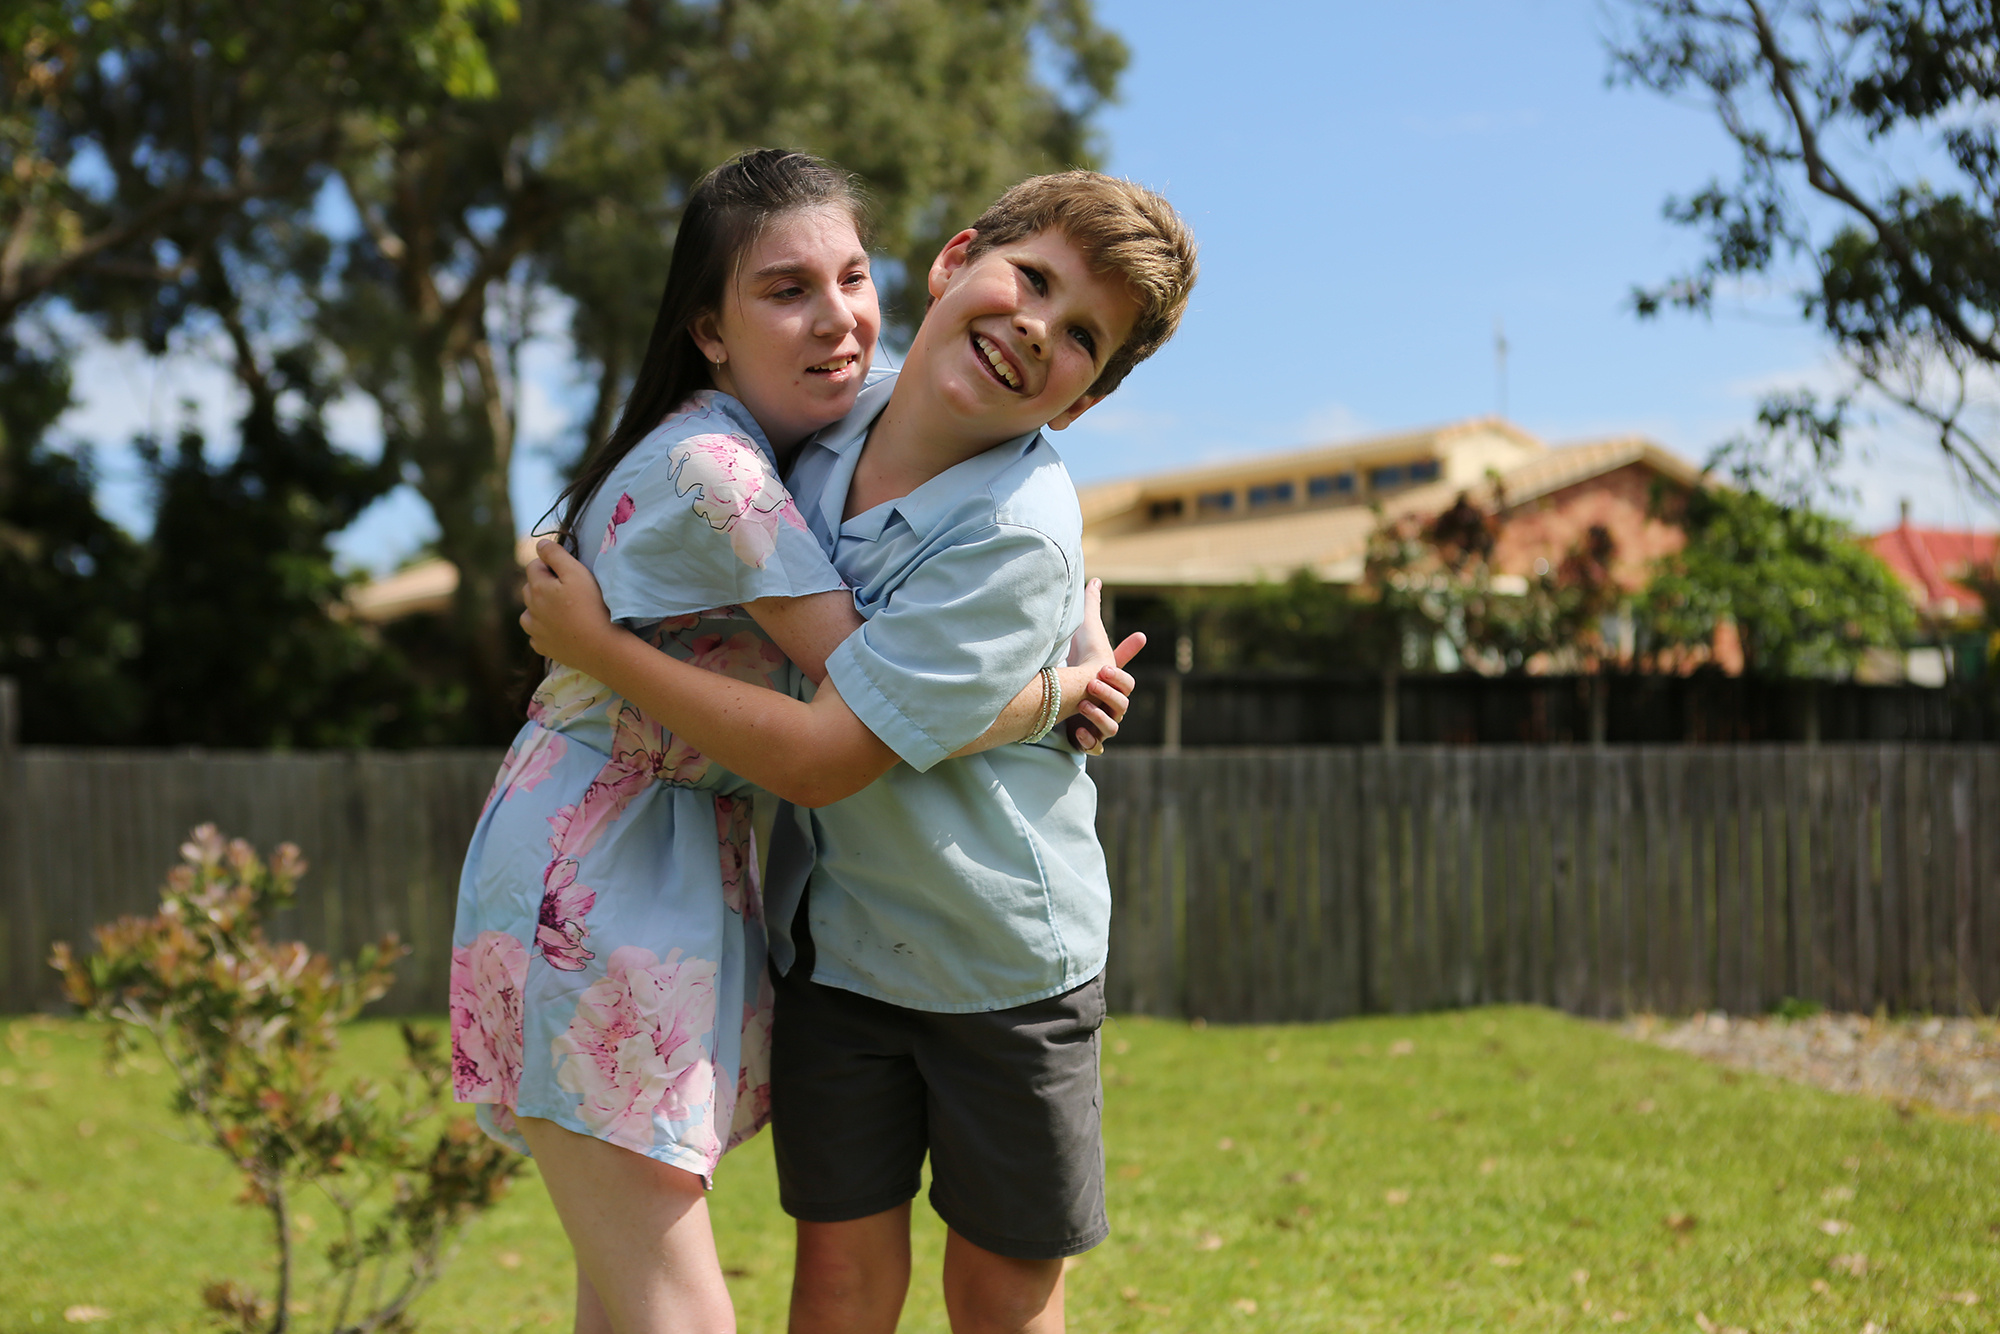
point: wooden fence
(90, 834)
(1304, 884)
(1268, 885)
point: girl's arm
(810, 753)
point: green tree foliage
(69, 618)
(1806, 598)
(242, 643)
(250, 1027)
(1870, 156)
(187, 117)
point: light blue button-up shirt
(951, 885)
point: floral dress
(607, 967)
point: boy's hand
(564, 614)
(1108, 694)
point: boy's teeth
(998, 362)
(833, 365)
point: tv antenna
(1500, 364)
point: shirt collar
(923, 508)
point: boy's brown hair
(1121, 228)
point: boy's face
(1019, 333)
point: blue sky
(1374, 187)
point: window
(1330, 486)
(1381, 479)
(1216, 502)
(1425, 470)
(1167, 509)
(1273, 493)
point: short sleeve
(956, 641)
(704, 524)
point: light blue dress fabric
(608, 957)
(951, 885)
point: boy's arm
(809, 753)
(924, 672)
(810, 628)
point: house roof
(1331, 540)
(424, 586)
(1932, 561)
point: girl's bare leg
(641, 1234)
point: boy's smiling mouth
(996, 362)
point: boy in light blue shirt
(939, 990)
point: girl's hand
(1107, 697)
(565, 615)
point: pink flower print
(635, 1049)
(559, 931)
(740, 494)
(487, 978)
(527, 765)
(743, 655)
(738, 849)
(662, 631)
(619, 514)
(565, 695)
(753, 1077)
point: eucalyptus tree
(1868, 180)
(552, 199)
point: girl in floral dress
(610, 1009)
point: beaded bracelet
(1046, 721)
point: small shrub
(249, 1028)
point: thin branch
(1823, 177)
(18, 290)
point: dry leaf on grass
(1620, 1317)
(1962, 1298)
(1579, 1276)
(1131, 1298)
(1247, 1305)
(1833, 1194)
(1821, 1285)
(1225, 1144)
(1402, 1047)
(1834, 1227)
(1297, 1178)
(1503, 1261)
(510, 1260)
(1395, 1197)
(1131, 1171)
(1208, 1241)
(1681, 1222)
(1708, 1326)
(1855, 1264)
(85, 1315)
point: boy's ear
(1075, 410)
(950, 260)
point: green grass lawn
(1484, 1170)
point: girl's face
(796, 332)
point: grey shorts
(1007, 1103)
